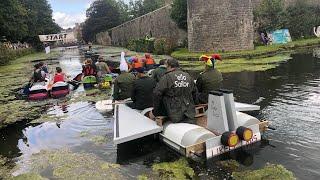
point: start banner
(66, 37)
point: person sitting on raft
(175, 95)
(136, 63)
(123, 83)
(210, 79)
(141, 96)
(149, 62)
(38, 75)
(102, 67)
(59, 76)
(159, 71)
(89, 69)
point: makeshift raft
(221, 127)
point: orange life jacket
(137, 64)
(150, 61)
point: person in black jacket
(142, 91)
(175, 95)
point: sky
(68, 12)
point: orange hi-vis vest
(137, 64)
(150, 61)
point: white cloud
(68, 20)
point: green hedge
(141, 45)
(6, 55)
(158, 46)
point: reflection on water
(289, 97)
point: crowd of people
(169, 90)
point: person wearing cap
(210, 79)
(123, 83)
(149, 62)
(141, 92)
(175, 95)
(102, 67)
(159, 71)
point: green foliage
(141, 45)
(23, 20)
(163, 46)
(101, 16)
(268, 15)
(7, 55)
(179, 13)
(269, 172)
(299, 18)
(141, 7)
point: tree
(269, 15)
(24, 20)
(300, 18)
(12, 20)
(101, 16)
(179, 13)
(141, 7)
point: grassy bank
(260, 51)
(12, 78)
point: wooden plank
(263, 126)
(196, 149)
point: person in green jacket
(209, 80)
(159, 71)
(123, 84)
(175, 95)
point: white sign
(66, 37)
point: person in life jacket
(59, 76)
(149, 61)
(136, 63)
(210, 79)
(89, 69)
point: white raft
(222, 119)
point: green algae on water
(173, 170)
(65, 164)
(18, 110)
(239, 65)
(29, 176)
(270, 171)
(98, 140)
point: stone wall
(220, 25)
(157, 24)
